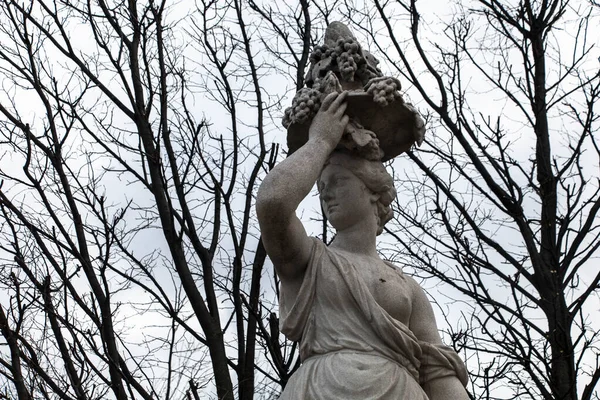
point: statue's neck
(357, 240)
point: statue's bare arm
(283, 189)
(422, 324)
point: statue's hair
(375, 177)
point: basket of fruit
(382, 125)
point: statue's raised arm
(366, 329)
(288, 184)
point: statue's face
(344, 197)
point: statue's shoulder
(407, 277)
(317, 243)
(396, 267)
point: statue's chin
(339, 221)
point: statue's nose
(326, 194)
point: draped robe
(350, 347)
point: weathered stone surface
(397, 126)
(374, 101)
(366, 329)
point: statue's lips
(397, 126)
(332, 206)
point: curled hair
(375, 177)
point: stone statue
(366, 329)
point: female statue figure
(366, 329)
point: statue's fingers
(345, 121)
(328, 101)
(341, 109)
(339, 101)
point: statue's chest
(339, 287)
(386, 284)
(389, 289)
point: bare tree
(132, 266)
(503, 205)
(133, 136)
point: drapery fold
(350, 346)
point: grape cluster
(305, 105)
(361, 141)
(384, 90)
(348, 58)
(320, 53)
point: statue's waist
(363, 357)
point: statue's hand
(329, 124)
